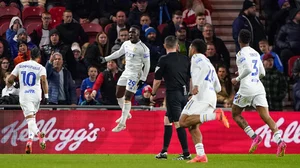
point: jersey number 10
(26, 78)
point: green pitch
(145, 161)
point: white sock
(207, 117)
(277, 137)
(249, 131)
(32, 125)
(121, 102)
(125, 112)
(30, 134)
(200, 149)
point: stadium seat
(160, 96)
(56, 14)
(3, 29)
(31, 26)
(150, 78)
(32, 14)
(291, 64)
(7, 13)
(107, 27)
(161, 27)
(92, 30)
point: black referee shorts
(175, 101)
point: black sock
(181, 133)
(167, 137)
(254, 136)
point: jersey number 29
(26, 78)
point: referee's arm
(159, 70)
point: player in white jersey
(137, 57)
(30, 73)
(252, 93)
(202, 106)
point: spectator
(213, 56)
(221, 49)
(146, 22)
(86, 11)
(40, 3)
(88, 98)
(14, 25)
(70, 31)
(278, 19)
(247, 19)
(287, 40)
(107, 82)
(226, 95)
(155, 47)
(172, 26)
(20, 36)
(144, 99)
(88, 83)
(274, 83)
(40, 36)
(142, 8)
(4, 63)
(120, 22)
(56, 45)
(295, 3)
(4, 48)
(100, 48)
(13, 3)
(197, 30)
(54, 3)
(123, 36)
(181, 35)
(264, 48)
(79, 65)
(23, 54)
(205, 3)
(189, 14)
(296, 87)
(61, 86)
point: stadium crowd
(73, 35)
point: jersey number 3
(255, 69)
(28, 78)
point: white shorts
(196, 108)
(256, 100)
(129, 82)
(29, 108)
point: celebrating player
(252, 93)
(202, 106)
(137, 57)
(30, 73)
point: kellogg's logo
(15, 133)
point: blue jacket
(14, 46)
(53, 81)
(277, 62)
(86, 83)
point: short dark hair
(35, 53)
(245, 36)
(68, 11)
(123, 29)
(136, 26)
(199, 45)
(263, 41)
(200, 14)
(170, 42)
(178, 12)
(92, 66)
(144, 14)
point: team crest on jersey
(134, 49)
(242, 59)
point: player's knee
(128, 96)
(182, 123)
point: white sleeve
(243, 63)
(146, 61)
(43, 71)
(117, 53)
(15, 72)
(217, 84)
(262, 71)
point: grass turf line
(144, 161)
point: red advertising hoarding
(90, 132)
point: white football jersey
(137, 56)
(29, 73)
(204, 76)
(249, 59)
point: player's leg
(197, 139)
(261, 105)
(120, 94)
(239, 103)
(168, 131)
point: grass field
(144, 161)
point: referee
(175, 69)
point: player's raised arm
(146, 61)
(116, 54)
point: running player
(30, 73)
(202, 106)
(252, 93)
(137, 57)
